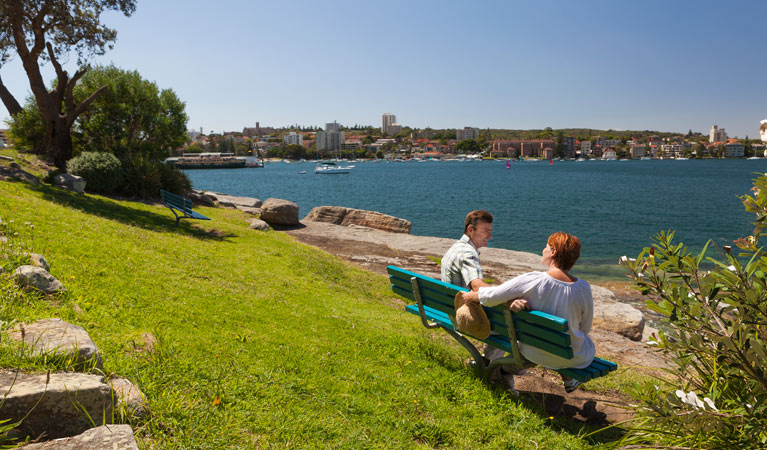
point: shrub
(716, 397)
(101, 171)
(142, 177)
(174, 180)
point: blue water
(614, 207)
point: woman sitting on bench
(554, 292)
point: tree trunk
(9, 100)
(58, 142)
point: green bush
(102, 172)
(716, 397)
(174, 180)
(142, 177)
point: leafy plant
(142, 177)
(101, 171)
(716, 397)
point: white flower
(689, 398)
(731, 268)
(622, 260)
(710, 403)
(640, 275)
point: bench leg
(479, 360)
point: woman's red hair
(567, 249)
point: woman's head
(563, 249)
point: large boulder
(59, 337)
(69, 181)
(339, 215)
(57, 404)
(112, 437)
(276, 211)
(258, 224)
(231, 201)
(201, 198)
(612, 315)
(38, 278)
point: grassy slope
(301, 349)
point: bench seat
(434, 304)
(182, 205)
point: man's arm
(477, 283)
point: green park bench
(182, 205)
(434, 302)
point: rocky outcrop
(275, 211)
(57, 404)
(258, 224)
(611, 315)
(14, 171)
(202, 198)
(59, 337)
(339, 215)
(232, 201)
(38, 260)
(112, 437)
(38, 278)
(70, 182)
(129, 396)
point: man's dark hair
(475, 217)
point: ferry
(208, 161)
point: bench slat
(578, 374)
(610, 365)
(563, 352)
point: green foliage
(142, 177)
(27, 128)
(717, 338)
(468, 146)
(101, 171)
(174, 180)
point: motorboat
(327, 167)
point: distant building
(609, 154)
(717, 134)
(467, 133)
(638, 151)
(734, 150)
(585, 148)
(513, 148)
(389, 127)
(570, 144)
(673, 150)
(330, 138)
(547, 153)
(293, 138)
(258, 130)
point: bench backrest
(534, 328)
(175, 201)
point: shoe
(572, 384)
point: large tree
(40, 31)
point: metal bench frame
(178, 203)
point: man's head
(478, 226)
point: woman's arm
(516, 288)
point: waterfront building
(512, 148)
(585, 148)
(609, 154)
(330, 138)
(638, 151)
(547, 153)
(570, 144)
(293, 138)
(717, 134)
(675, 150)
(466, 133)
(389, 125)
(734, 150)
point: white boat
(328, 168)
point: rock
(339, 215)
(113, 437)
(38, 260)
(129, 396)
(614, 347)
(258, 224)
(57, 336)
(14, 171)
(202, 198)
(611, 315)
(38, 278)
(275, 211)
(251, 211)
(7, 158)
(55, 404)
(69, 181)
(247, 202)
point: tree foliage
(40, 31)
(716, 337)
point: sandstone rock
(202, 198)
(56, 404)
(57, 336)
(14, 171)
(258, 224)
(611, 315)
(113, 437)
(69, 181)
(38, 278)
(39, 261)
(251, 211)
(276, 211)
(248, 202)
(129, 396)
(339, 215)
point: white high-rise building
(293, 138)
(389, 125)
(717, 134)
(467, 133)
(331, 138)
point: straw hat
(470, 318)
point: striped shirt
(460, 265)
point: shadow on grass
(110, 209)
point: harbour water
(614, 207)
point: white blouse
(571, 301)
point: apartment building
(330, 138)
(513, 148)
(717, 134)
(467, 133)
(293, 138)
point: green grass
(262, 342)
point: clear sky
(652, 64)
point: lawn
(262, 342)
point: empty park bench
(182, 205)
(434, 302)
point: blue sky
(657, 65)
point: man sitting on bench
(554, 292)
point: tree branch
(9, 100)
(85, 103)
